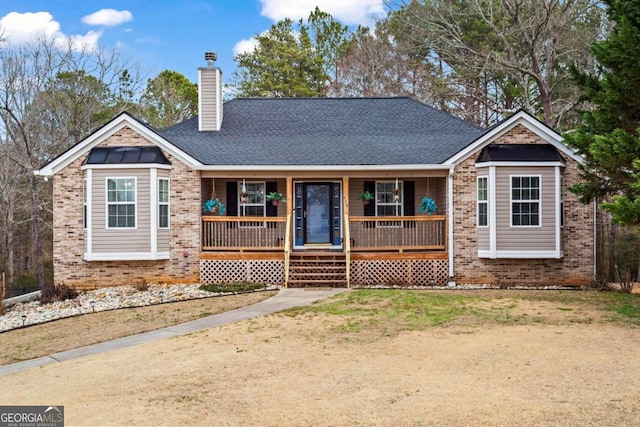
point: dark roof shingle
(325, 131)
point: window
(121, 202)
(254, 204)
(525, 201)
(163, 203)
(483, 201)
(562, 201)
(388, 199)
(84, 203)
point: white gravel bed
(98, 300)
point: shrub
(57, 293)
(627, 260)
(142, 285)
(25, 281)
(232, 287)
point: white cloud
(108, 17)
(349, 12)
(20, 28)
(244, 46)
(26, 27)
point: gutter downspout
(450, 221)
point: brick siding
(68, 234)
(576, 268)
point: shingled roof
(325, 131)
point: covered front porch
(325, 233)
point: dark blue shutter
(232, 198)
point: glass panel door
(318, 213)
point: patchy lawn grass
(65, 334)
(392, 311)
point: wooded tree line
(480, 60)
(50, 98)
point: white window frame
(399, 206)
(538, 200)
(242, 206)
(484, 201)
(561, 201)
(108, 203)
(84, 203)
(167, 203)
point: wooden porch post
(347, 233)
(288, 228)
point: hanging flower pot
(213, 206)
(428, 206)
(244, 198)
(275, 198)
(367, 197)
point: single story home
(377, 191)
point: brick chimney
(209, 94)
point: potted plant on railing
(367, 197)
(428, 206)
(275, 198)
(213, 206)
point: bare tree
(525, 46)
(50, 97)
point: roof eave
(100, 135)
(297, 168)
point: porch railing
(398, 233)
(240, 233)
(364, 233)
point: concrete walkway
(283, 300)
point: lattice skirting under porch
(408, 272)
(270, 272)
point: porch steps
(317, 269)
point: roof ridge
(324, 98)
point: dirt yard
(560, 364)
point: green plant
(627, 260)
(213, 205)
(428, 206)
(276, 197)
(367, 196)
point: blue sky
(168, 34)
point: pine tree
(609, 135)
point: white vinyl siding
(525, 238)
(120, 240)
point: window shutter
(271, 187)
(232, 198)
(370, 209)
(270, 210)
(409, 198)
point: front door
(318, 214)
